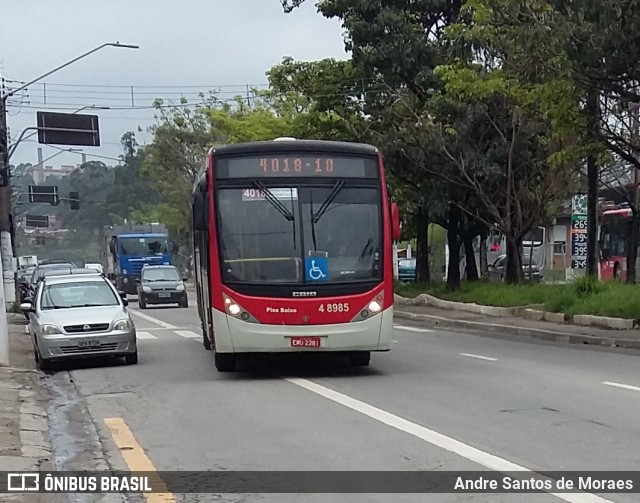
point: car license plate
(164, 294)
(92, 343)
(305, 342)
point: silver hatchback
(79, 317)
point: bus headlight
(124, 271)
(374, 307)
(232, 308)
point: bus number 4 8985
(338, 307)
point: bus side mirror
(395, 221)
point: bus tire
(361, 358)
(205, 341)
(225, 362)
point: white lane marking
(26, 329)
(155, 329)
(623, 386)
(145, 335)
(433, 437)
(412, 329)
(152, 319)
(479, 357)
(395, 341)
(188, 334)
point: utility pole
(6, 245)
(8, 285)
(5, 234)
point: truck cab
(130, 249)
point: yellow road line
(135, 457)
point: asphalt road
(440, 400)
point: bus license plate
(305, 342)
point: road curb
(510, 330)
(530, 312)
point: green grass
(584, 296)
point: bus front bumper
(236, 336)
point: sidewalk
(519, 327)
(24, 438)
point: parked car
(38, 274)
(79, 316)
(49, 261)
(67, 271)
(530, 269)
(94, 265)
(407, 269)
(161, 284)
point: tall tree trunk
(484, 264)
(423, 272)
(514, 261)
(592, 187)
(632, 246)
(472, 268)
(453, 242)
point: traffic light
(74, 200)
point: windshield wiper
(89, 305)
(268, 195)
(327, 202)
(56, 307)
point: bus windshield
(295, 234)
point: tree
(519, 85)
(182, 137)
(320, 99)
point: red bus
(614, 231)
(293, 250)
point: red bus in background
(615, 228)
(293, 250)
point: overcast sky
(186, 46)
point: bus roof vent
(285, 138)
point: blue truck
(128, 248)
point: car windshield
(300, 234)
(143, 246)
(407, 263)
(161, 274)
(77, 294)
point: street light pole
(7, 241)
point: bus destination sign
(294, 166)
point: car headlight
(146, 289)
(49, 330)
(123, 325)
(180, 288)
